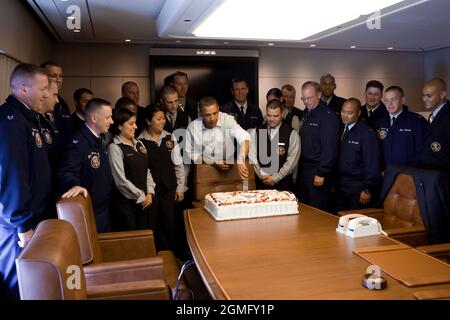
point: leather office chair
(50, 268)
(115, 248)
(208, 179)
(440, 251)
(400, 216)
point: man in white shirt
(210, 139)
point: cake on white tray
(250, 204)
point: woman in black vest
(166, 164)
(133, 195)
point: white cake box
(250, 204)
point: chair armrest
(405, 230)
(171, 268)
(197, 204)
(436, 249)
(127, 245)
(138, 290)
(366, 212)
(124, 271)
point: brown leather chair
(400, 216)
(114, 248)
(50, 268)
(440, 251)
(208, 179)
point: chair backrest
(208, 179)
(79, 212)
(49, 267)
(401, 208)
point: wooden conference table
(286, 257)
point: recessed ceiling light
(225, 42)
(312, 45)
(76, 30)
(127, 40)
(352, 47)
(271, 44)
(286, 26)
(390, 48)
(178, 41)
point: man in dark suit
(180, 81)
(80, 98)
(247, 115)
(175, 117)
(130, 90)
(327, 87)
(436, 147)
(374, 110)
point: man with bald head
(436, 146)
(130, 90)
(327, 87)
(359, 160)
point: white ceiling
(423, 27)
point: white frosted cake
(250, 204)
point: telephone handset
(344, 220)
(358, 225)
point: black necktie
(394, 120)
(369, 114)
(242, 112)
(345, 134)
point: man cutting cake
(210, 139)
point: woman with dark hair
(133, 180)
(164, 160)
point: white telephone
(343, 221)
(363, 227)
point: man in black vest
(327, 87)
(291, 114)
(274, 151)
(436, 148)
(175, 117)
(246, 114)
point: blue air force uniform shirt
(375, 116)
(436, 146)
(359, 156)
(86, 164)
(403, 141)
(319, 138)
(25, 178)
